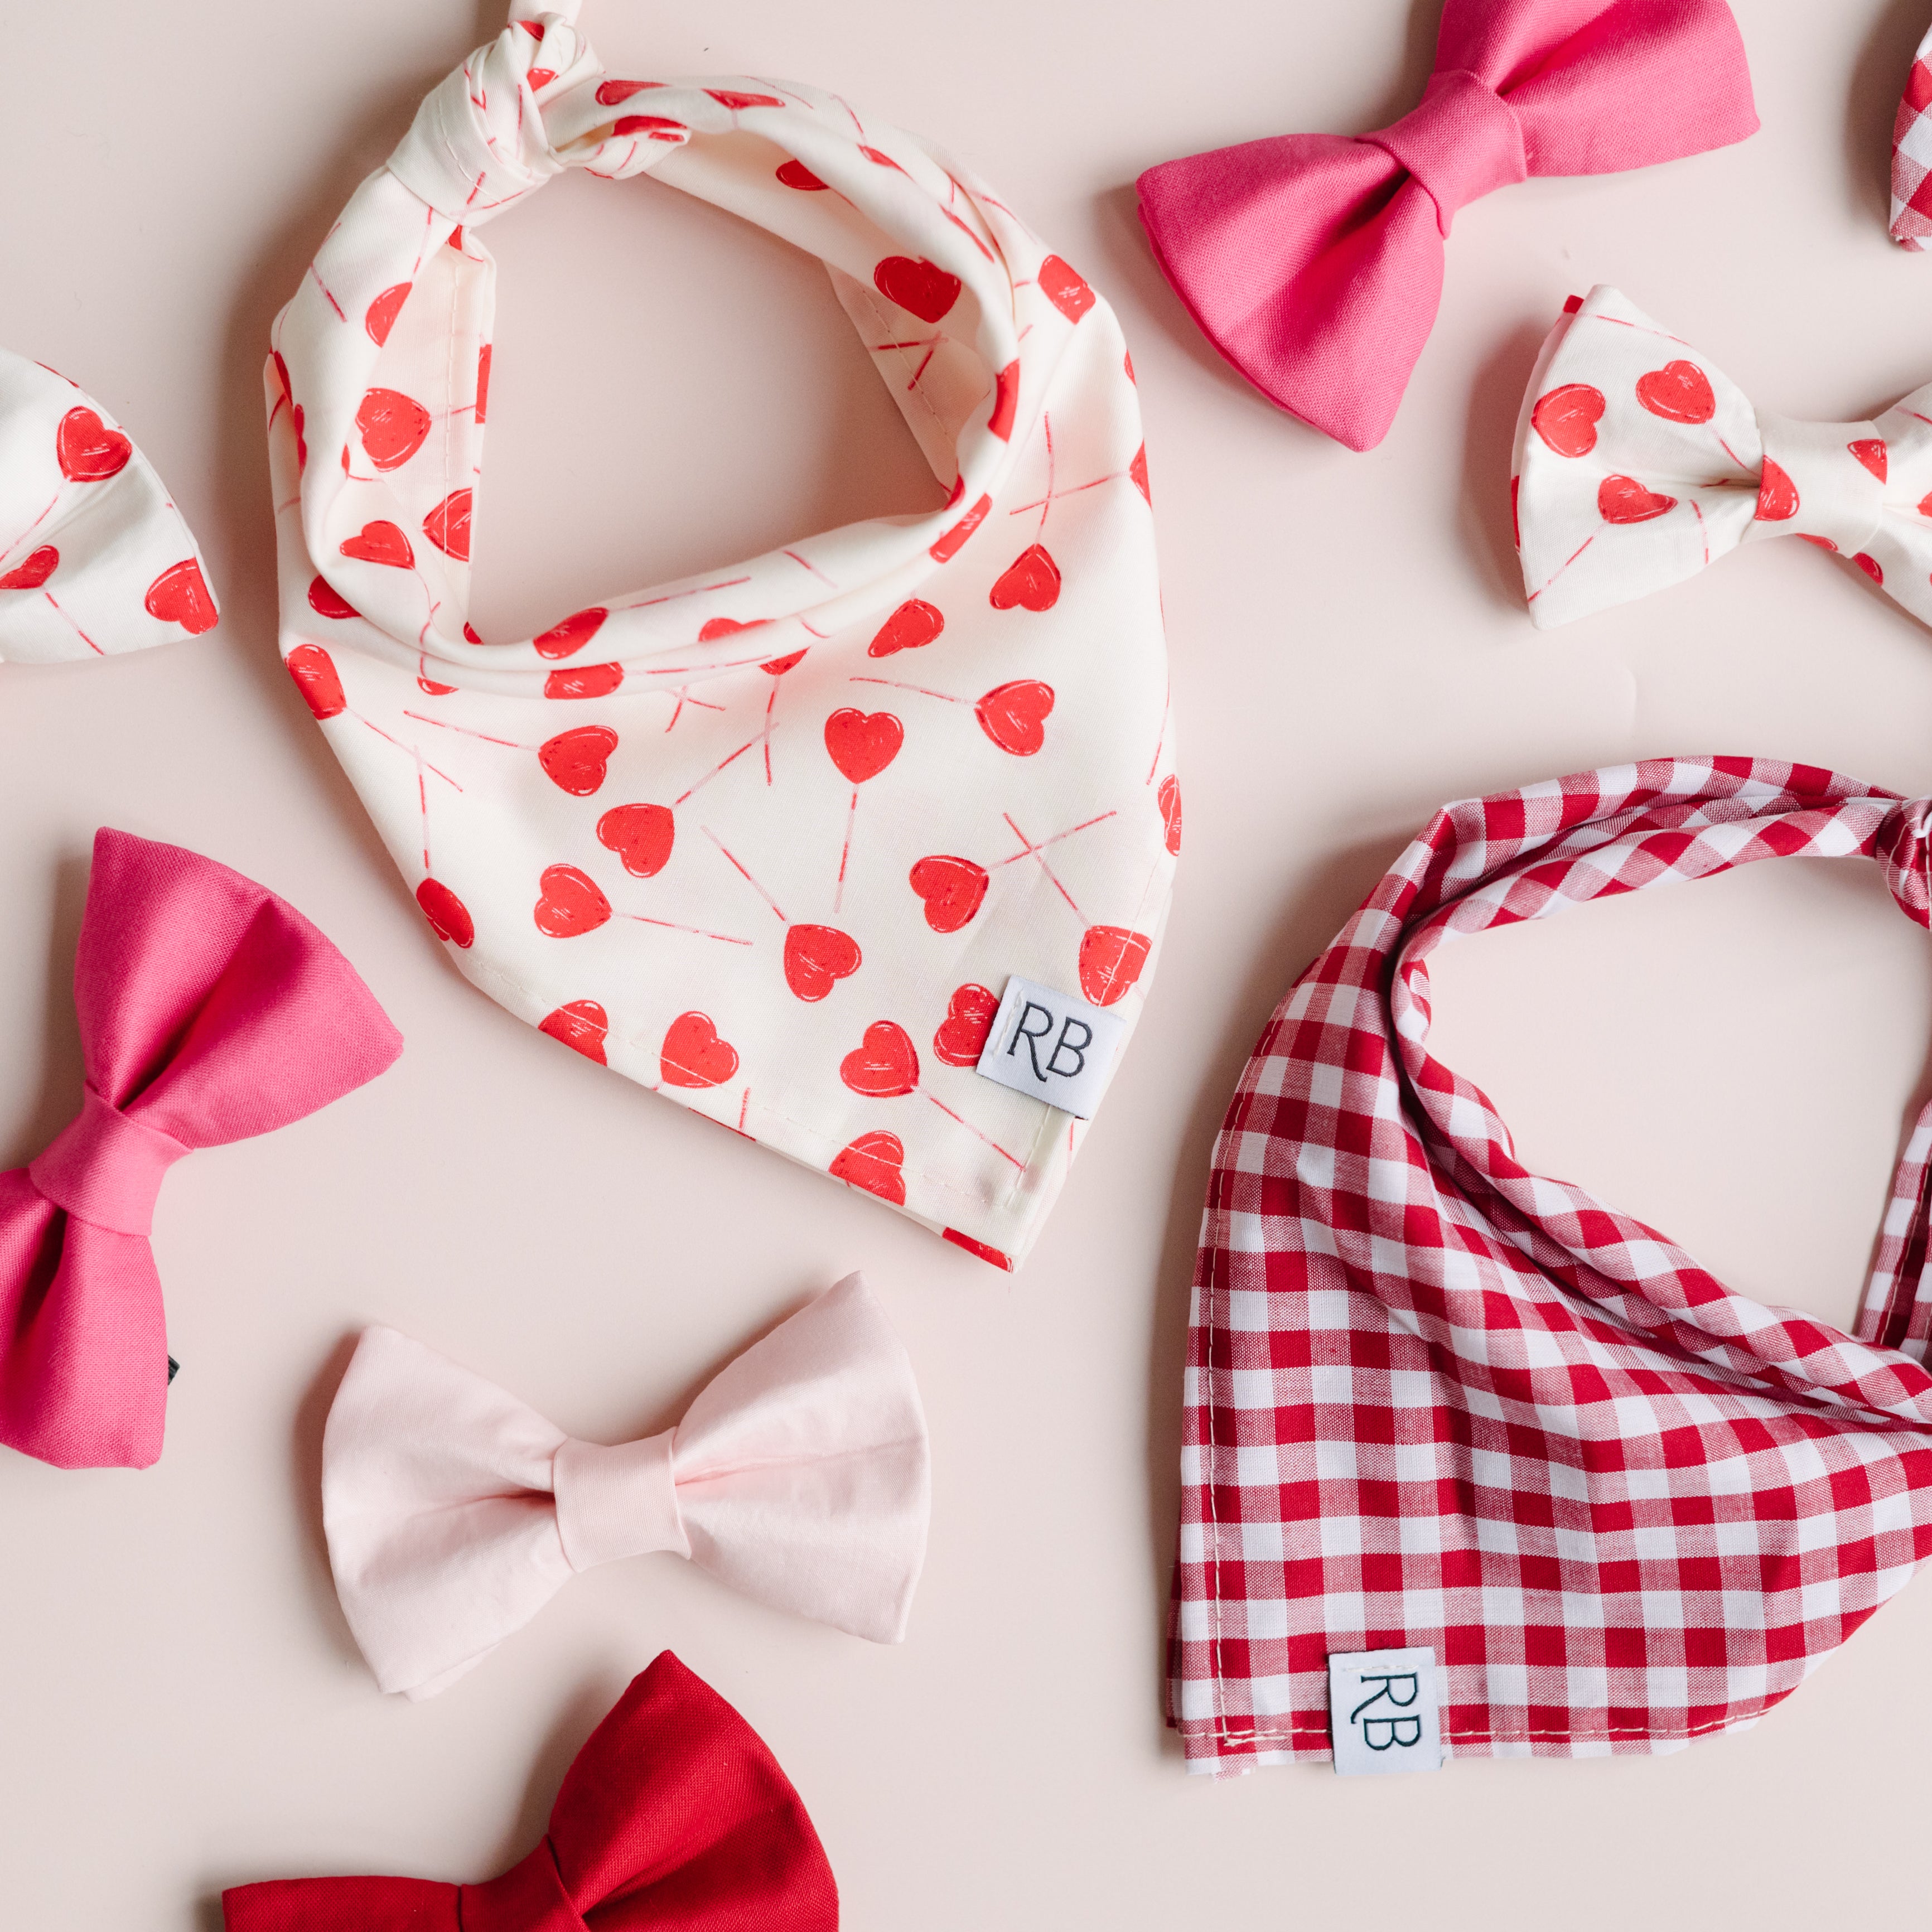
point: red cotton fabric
(674, 1818)
(1435, 1399)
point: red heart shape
(393, 426)
(1169, 799)
(653, 127)
(873, 1162)
(777, 666)
(89, 451)
(862, 743)
(597, 680)
(314, 672)
(979, 1248)
(1006, 402)
(922, 288)
(641, 835)
(1567, 417)
(325, 601)
(952, 889)
(180, 595)
(726, 96)
(1014, 716)
(817, 957)
(1678, 392)
(1623, 499)
(383, 312)
(694, 1055)
(566, 639)
(581, 1026)
(483, 380)
(570, 904)
(884, 1065)
(32, 570)
(1870, 566)
(449, 917)
(911, 627)
(723, 627)
(954, 541)
(967, 1026)
(380, 542)
(1777, 495)
(1066, 289)
(1870, 450)
(1111, 959)
(615, 93)
(1138, 471)
(1031, 581)
(576, 760)
(448, 525)
(796, 174)
(541, 77)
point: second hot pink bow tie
(1314, 262)
(210, 1011)
(800, 1477)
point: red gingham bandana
(1435, 1399)
(1911, 155)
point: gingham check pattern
(1911, 155)
(1433, 1398)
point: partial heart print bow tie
(799, 1477)
(1314, 262)
(210, 1011)
(1911, 155)
(97, 559)
(1639, 463)
(674, 1817)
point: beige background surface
(180, 1704)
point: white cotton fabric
(940, 756)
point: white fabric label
(1382, 1713)
(1056, 1048)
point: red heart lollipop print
(1111, 959)
(862, 744)
(949, 545)
(921, 288)
(1137, 472)
(992, 1256)
(1623, 499)
(1006, 402)
(89, 451)
(1566, 419)
(1031, 582)
(1777, 495)
(449, 917)
(569, 903)
(566, 639)
(383, 312)
(448, 525)
(483, 381)
(379, 542)
(1065, 288)
(317, 678)
(33, 570)
(874, 1162)
(653, 127)
(641, 835)
(726, 96)
(583, 1026)
(796, 174)
(325, 601)
(1870, 565)
(967, 1026)
(777, 666)
(952, 888)
(1169, 799)
(540, 78)
(911, 628)
(1014, 716)
(393, 427)
(179, 595)
(884, 1065)
(576, 760)
(597, 680)
(816, 958)
(694, 1056)
(615, 93)
(1678, 392)
(714, 628)
(1870, 450)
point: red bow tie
(674, 1818)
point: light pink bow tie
(800, 1477)
(1314, 262)
(210, 1011)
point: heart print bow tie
(454, 1512)
(1639, 463)
(210, 1011)
(1314, 262)
(674, 1817)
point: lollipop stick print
(1013, 715)
(884, 1066)
(576, 760)
(775, 668)
(861, 745)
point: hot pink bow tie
(1314, 262)
(800, 1477)
(210, 1011)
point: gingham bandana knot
(1639, 464)
(1435, 1399)
(1911, 154)
(770, 840)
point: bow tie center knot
(1903, 850)
(1823, 482)
(104, 1168)
(529, 1898)
(615, 1503)
(1464, 142)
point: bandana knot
(1903, 850)
(1464, 142)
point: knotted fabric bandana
(1639, 463)
(674, 1818)
(800, 1476)
(1313, 262)
(772, 840)
(210, 1011)
(1433, 1398)
(97, 559)
(1911, 155)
